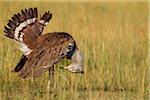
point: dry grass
(113, 37)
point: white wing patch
(42, 22)
(21, 26)
(24, 48)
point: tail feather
(45, 18)
(25, 28)
(15, 20)
(24, 15)
(20, 17)
(11, 25)
(35, 14)
(30, 12)
(20, 21)
(9, 32)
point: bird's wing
(43, 57)
(25, 28)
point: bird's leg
(50, 85)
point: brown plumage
(41, 51)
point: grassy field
(113, 37)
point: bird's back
(55, 38)
(50, 49)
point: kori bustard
(41, 51)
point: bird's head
(77, 65)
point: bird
(41, 51)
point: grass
(113, 37)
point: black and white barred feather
(24, 27)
